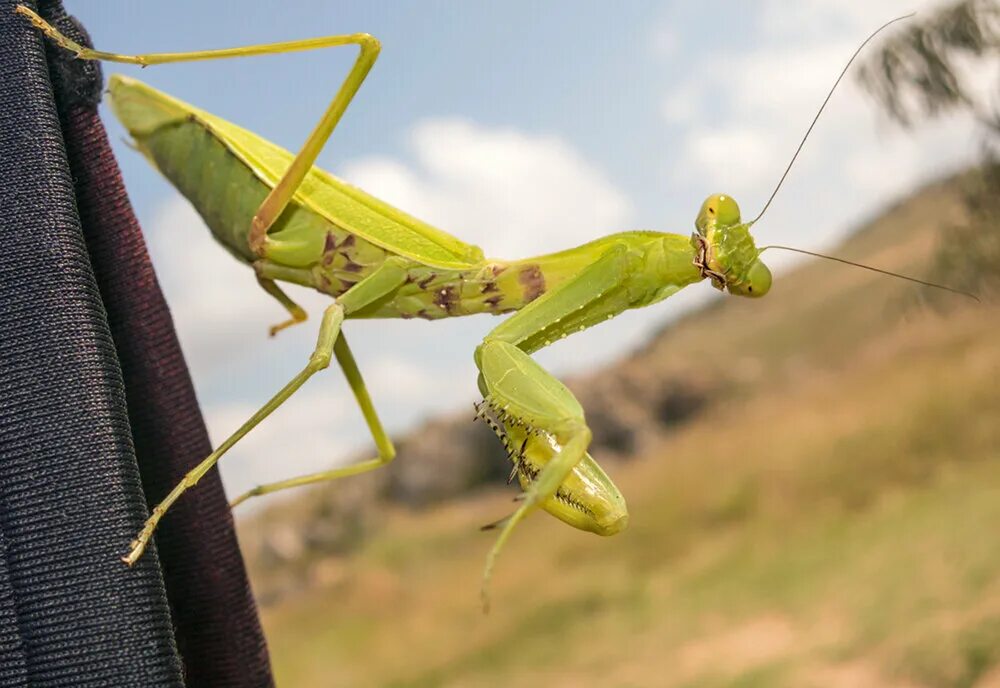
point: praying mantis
(291, 222)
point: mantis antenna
(879, 270)
(799, 150)
(821, 107)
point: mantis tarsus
(294, 223)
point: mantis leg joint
(320, 360)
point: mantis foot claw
(137, 547)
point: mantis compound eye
(757, 282)
(727, 211)
(718, 209)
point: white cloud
(664, 40)
(807, 20)
(788, 79)
(510, 192)
(682, 104)
(733, 156)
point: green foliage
(969, 253)
(918, 71)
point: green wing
(142, 109)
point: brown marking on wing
(426, 280)
(489, 288)
(351, 266)
(494, 301)
(329, 249)
(533, 282)
(497, 269)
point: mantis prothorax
(295, 223)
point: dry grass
(832, 524)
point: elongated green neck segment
(589, 284)
(670, 266)
(657, 265)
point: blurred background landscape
(814, 483)
(814, 489)
(813, 478)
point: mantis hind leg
(387, 277)
(320, 359)
(282, 192)
(386, 452)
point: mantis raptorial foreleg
(386, 278)
(520, 391)
(283, 191)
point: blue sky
(523, 127)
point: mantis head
(730, 256)
(726, 251)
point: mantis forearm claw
(541, 426)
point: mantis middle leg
(295, 311)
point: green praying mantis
(292, 222)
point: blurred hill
(814, 487)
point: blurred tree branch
(921, 73)
(968, 253)
(918, 71)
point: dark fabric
(69, 490)
(218, 633)
(70, 500)
(13, 663)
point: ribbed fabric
(69, 489)
(70, 498)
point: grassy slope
(833, 523)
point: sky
(523, 127)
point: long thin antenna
(821, 107)
(879, 270)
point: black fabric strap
(13, 663)
(215, 619)
(83, 328)
(70, 496)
